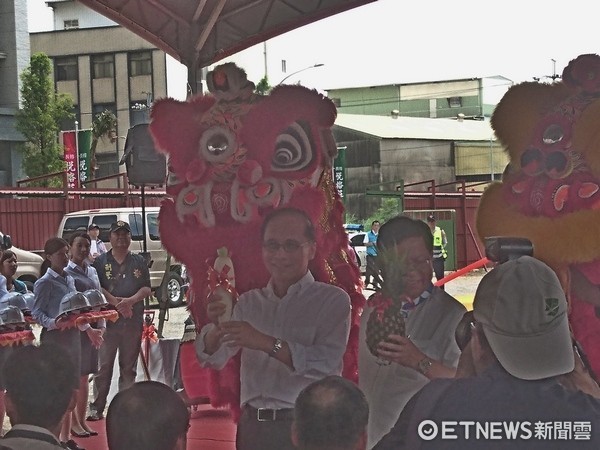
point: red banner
(70, 148)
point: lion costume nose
(556, 164)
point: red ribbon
(16, 338)
(149, 333)
(220, 279)
(380, 304)
(90, 317)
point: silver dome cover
(12, 317)
(15, 299)
(73, 302)
(29, 298)
(96, 298)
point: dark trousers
(438, 269)
(255, 435)
(127, 340)
(372, 270)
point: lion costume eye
(293, 149)
(553, 134)
(217, 144)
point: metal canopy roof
(200, 32)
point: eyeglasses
(289, 246)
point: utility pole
(554, 75)
(265, 58)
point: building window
(65, 69)
(140, 63)
(103, 66)
(71, 24)
(283, 65)
(337, 102)
(454, 102)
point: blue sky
(424, 40)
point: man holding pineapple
(407, 329)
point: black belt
(269, 415)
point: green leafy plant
(263, 87)
(389, 208)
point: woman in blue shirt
(85, 277)
(49, 290)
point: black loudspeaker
(145, 166)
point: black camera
(501, 249)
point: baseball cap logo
(551, 306)
(120, 223)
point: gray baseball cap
(523, 310)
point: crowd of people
(505, 375)
(77, 266)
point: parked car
(29, 263)
(177, 282)
(357, 243)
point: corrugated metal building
(392, 150)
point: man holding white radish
(291, 333)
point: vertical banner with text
(77, 156)
(84, 144)
(69, 140)
(339, 172)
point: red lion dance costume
(550, 190)
(234, 156)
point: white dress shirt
(313, 318)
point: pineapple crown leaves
(393, 266)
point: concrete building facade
(14, 58)
(102, 66)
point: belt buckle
(266, 415)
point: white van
(29, 263)
(177, 281)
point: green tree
(263, 87)
(390, 207)
(39, 118)
(104, 124)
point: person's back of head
(147, 416)
(331, 414)
(40, 384)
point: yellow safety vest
(438, 244)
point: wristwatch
(424, 365)
(276, 347)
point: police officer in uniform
(439, 248)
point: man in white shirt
(291, 333)
(97, 246)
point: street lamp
(301, 70)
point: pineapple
(387, 317)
